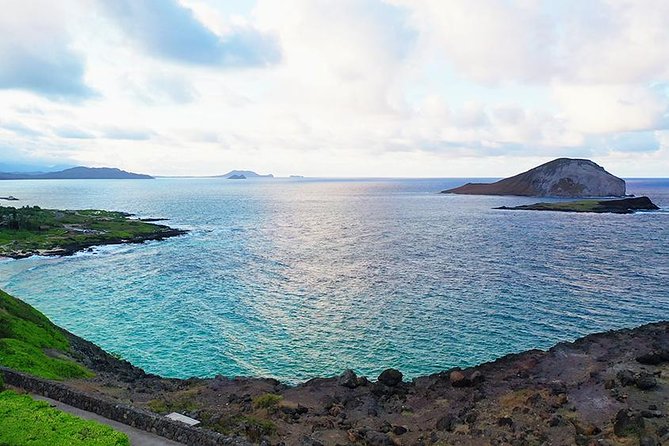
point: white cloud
(350, 87)
(605, 108)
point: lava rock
(627, 423)
(390, 377)
(348, 379)
(446, 423)
(654, 358)
(505, 421)
(646, 381)
(374, 438)
(458, 379)
(626, 378)
(399, 430)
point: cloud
(20, 129)
(166, 29)
(36, 54)
(128, 134)
(606, 108)
(73, 133)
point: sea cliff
(604, 389)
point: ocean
(298, 278)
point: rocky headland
(29, 231)
(610, 388)
(563, 177)
(623, 206)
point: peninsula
(78, 173)
(31, 231)
(563, 177)
(623, 206)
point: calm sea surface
(298, 278)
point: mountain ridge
(78, 173)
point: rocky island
(623, 206)
(31, 231)
(563, 177)
(243, 173)
(609, 388)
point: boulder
(390, 377)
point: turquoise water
(298, 278)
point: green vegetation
(572, 206)
(24, 421)
(32, 230)
(183, 402)
(622, 206)
(25, 334)
(254, 428)
(267, 401)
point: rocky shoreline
(622, 206)
(608, 388)
(163, 233)
(29, 231)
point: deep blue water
(298, 278)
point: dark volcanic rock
(646, 381)
(390, 377)
(563, 177)
(627, 423)
(446, 423)
(622, 206)
(350, 379)
(654, 358)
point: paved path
(137, 437)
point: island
(9, 198)
(562, 177)
(236, 177)
(32, 230)
(603, 389)
(78, 173)
(244, 173)
(623, 206)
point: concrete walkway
(137, 437)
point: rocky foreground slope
(604, 389)
(563, 177)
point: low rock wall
(137, 418)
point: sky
(344, 88)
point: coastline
(29, 231)
(601, 387)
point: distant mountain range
(77, 173)
(238, 174)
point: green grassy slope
(32, 229)
(24, 421)
(25, 336)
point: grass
(254, 428)
(33, 229)
(184, 402)
(267, 401)
(25, 334)
(24, 421)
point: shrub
(267, 401)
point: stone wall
(137, 418)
